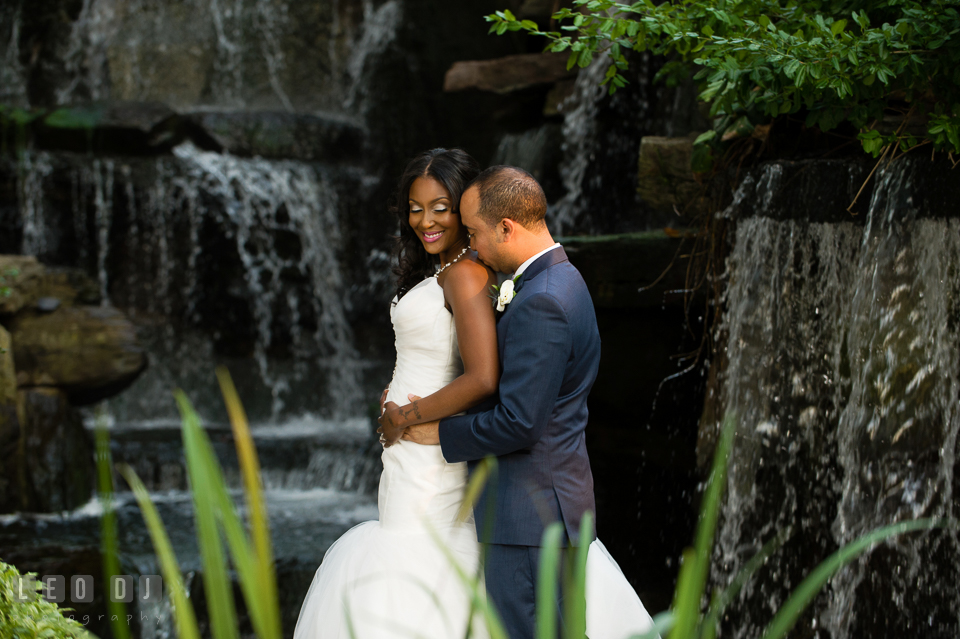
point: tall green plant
(217, 520)
(109, 547)
(835, 60)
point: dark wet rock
(56, 456)
(541, 9)
(47, 304)
(23, 275)
(633, 270)
(665, 180)
(643, 414)
(130, 128)
(30, 282)
(277, 134)
(92, 352)
(9, 428)
(509, 73)
(827, 190)
(345, 459)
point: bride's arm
(466, 289)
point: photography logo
(120, 588)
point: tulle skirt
(393, 583)
(388, 583)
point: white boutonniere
(504, 294)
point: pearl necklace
(440, 269)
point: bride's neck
(453, 251)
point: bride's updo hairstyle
(452, 168)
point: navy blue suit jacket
(549, 354)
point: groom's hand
(427, 434)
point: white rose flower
(505, 295)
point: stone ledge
(509, 73)
(621, 270)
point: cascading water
(276, 226)
(842, 373)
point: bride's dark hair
(454, 169)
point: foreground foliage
(252, 557)
(217, 520)
(32, 619)
(831, 61)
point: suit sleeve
(536, 350)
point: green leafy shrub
(32, 619)
(833, 60)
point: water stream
(842, 342)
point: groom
(549, 352)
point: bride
(391, 578)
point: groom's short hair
(510, 192)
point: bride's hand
(383, 398)
(391, 424)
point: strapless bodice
(416, 482)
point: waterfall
(248, 250)
(842, 372)
(580, 146)
(33, 169)
(13, 82)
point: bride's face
(433, 220)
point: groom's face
(484, 239)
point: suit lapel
(545, 261)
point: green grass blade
(108, 528)
(788, 614)
(730, 592)
(547, 581)
(478, 480)
(662, 624)
(265, 600)
(696, 562)
(204, 474)
(182, 608)
(575, 595)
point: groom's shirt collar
(534, 258)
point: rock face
(56, 452)
(23, 275)
(510, 73)
(60, 351)
(89, 351)
(110, 127)
(9, 427)
(30, 282)
(276, 134)
(665, 180)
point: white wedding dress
(390, 579)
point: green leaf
(788, 614)
(530, 25)
(696, 561)
(256, 566)
(547, 581)
(705, 137)
(585, 58)
(182, 608)
(204, 473)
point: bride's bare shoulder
(468, 274)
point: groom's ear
(508, 228)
